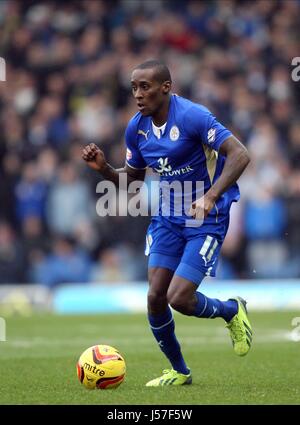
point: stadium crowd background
(68, 84)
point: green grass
(38, 361)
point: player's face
(150, 94)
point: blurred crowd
(68, 84)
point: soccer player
(181, 140)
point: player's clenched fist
(201, 207)
(94, 157)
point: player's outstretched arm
(237, 159)
(96, 160)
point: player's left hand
(201, 207)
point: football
(101, 367)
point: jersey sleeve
(133, 156)
(204, 125)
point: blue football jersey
(187, 151)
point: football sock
(163, 328)
(212, 307)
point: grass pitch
(38, 361)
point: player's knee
(157, 293)
(156, 300)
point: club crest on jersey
(174, 133)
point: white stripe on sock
(162, 326)
(204, 307)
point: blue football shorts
(191, 252)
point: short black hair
(162, 72)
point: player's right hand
(94, 157)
